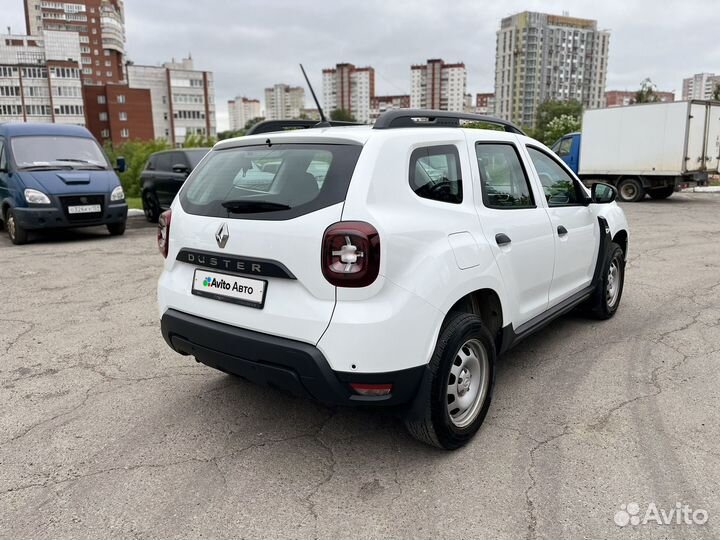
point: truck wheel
(606, 298)
(17, 234)
(151, 207)
(661, 193)
(455, 394)
(116, 229)
(630, 190)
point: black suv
(163, 176)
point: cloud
(251, 44)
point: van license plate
(227, 288)
(85, 209)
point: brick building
(118, 113)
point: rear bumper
(297, 367)
(54, 218)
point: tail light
(351, 254)
(371, 389)
(163, 232)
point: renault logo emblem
(222, 235)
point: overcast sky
(251, 44)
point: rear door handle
(502, 239)
(562, 231)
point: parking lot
(105, 432)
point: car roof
(12, 129)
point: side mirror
(180, 168)
(120, 165)
(602, 193)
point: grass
(134, 202)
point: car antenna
(323, 119)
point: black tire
(116, 229)
(18, 235)
(661, 193)
(429, 419)
(630, 190)
(151, 207)
(600, 306)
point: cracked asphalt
(106, 433)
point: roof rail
(269, 126)
(397, 118)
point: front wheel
(661, 193)
(455, 395)
(151, 207)
(18, 235)
(606, 298)
(116, 229)
(630, 190)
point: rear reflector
(371, 389)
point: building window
(108, 73)
(105, 133)
(101, 100)
(121, 98)
(108, 63)
(106, 52)
(103, 117)
(124, 133)
(123, 116)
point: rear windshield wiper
(250, 206)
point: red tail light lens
(371, 389)
(163, 232)
(351, 254)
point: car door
(4, 171)
(516, 225)
(576, 230)
(564, 149)
(178, 173)
(163, 179)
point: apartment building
(283, 102)
(40, 78)
(700, 86)
(623, 98)
(117, 113)
(485, 103)
(349, 88)
(100, 25)
(542, 57)
(437, 85)
(183, 99)
(241, 110)
(380, 104)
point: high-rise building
(40, 78)
(541, 57)
(380, 104)
(623, 98)
(283, 102)
(241, 110)
(485, 103)
(349, 88)
(437, 85)
(183, 99)
(700, 86)
(100, 25)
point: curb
(703, 189)
(135, 212)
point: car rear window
(276, 182)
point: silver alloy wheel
(628, 191)
(11, 225)
(468, 383)
(614, 279)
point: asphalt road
(105, 432)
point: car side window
(162, 162)
(435, 173)
(559, 187)
(563, 149)
(150, 164)
(502, 177)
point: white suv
(384, 265)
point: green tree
(136, 154)
(559, 126)
(250, 123)
(198, 141)
(647, 93)
(341, 115)
(229, 134)
(549, 111)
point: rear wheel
(630, 190)
(454, 398)
(151, 207)
(116, 229)
(18, 235)
(661, 193)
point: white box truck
(651, 148)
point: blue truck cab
(57, 176)
(568, 149)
